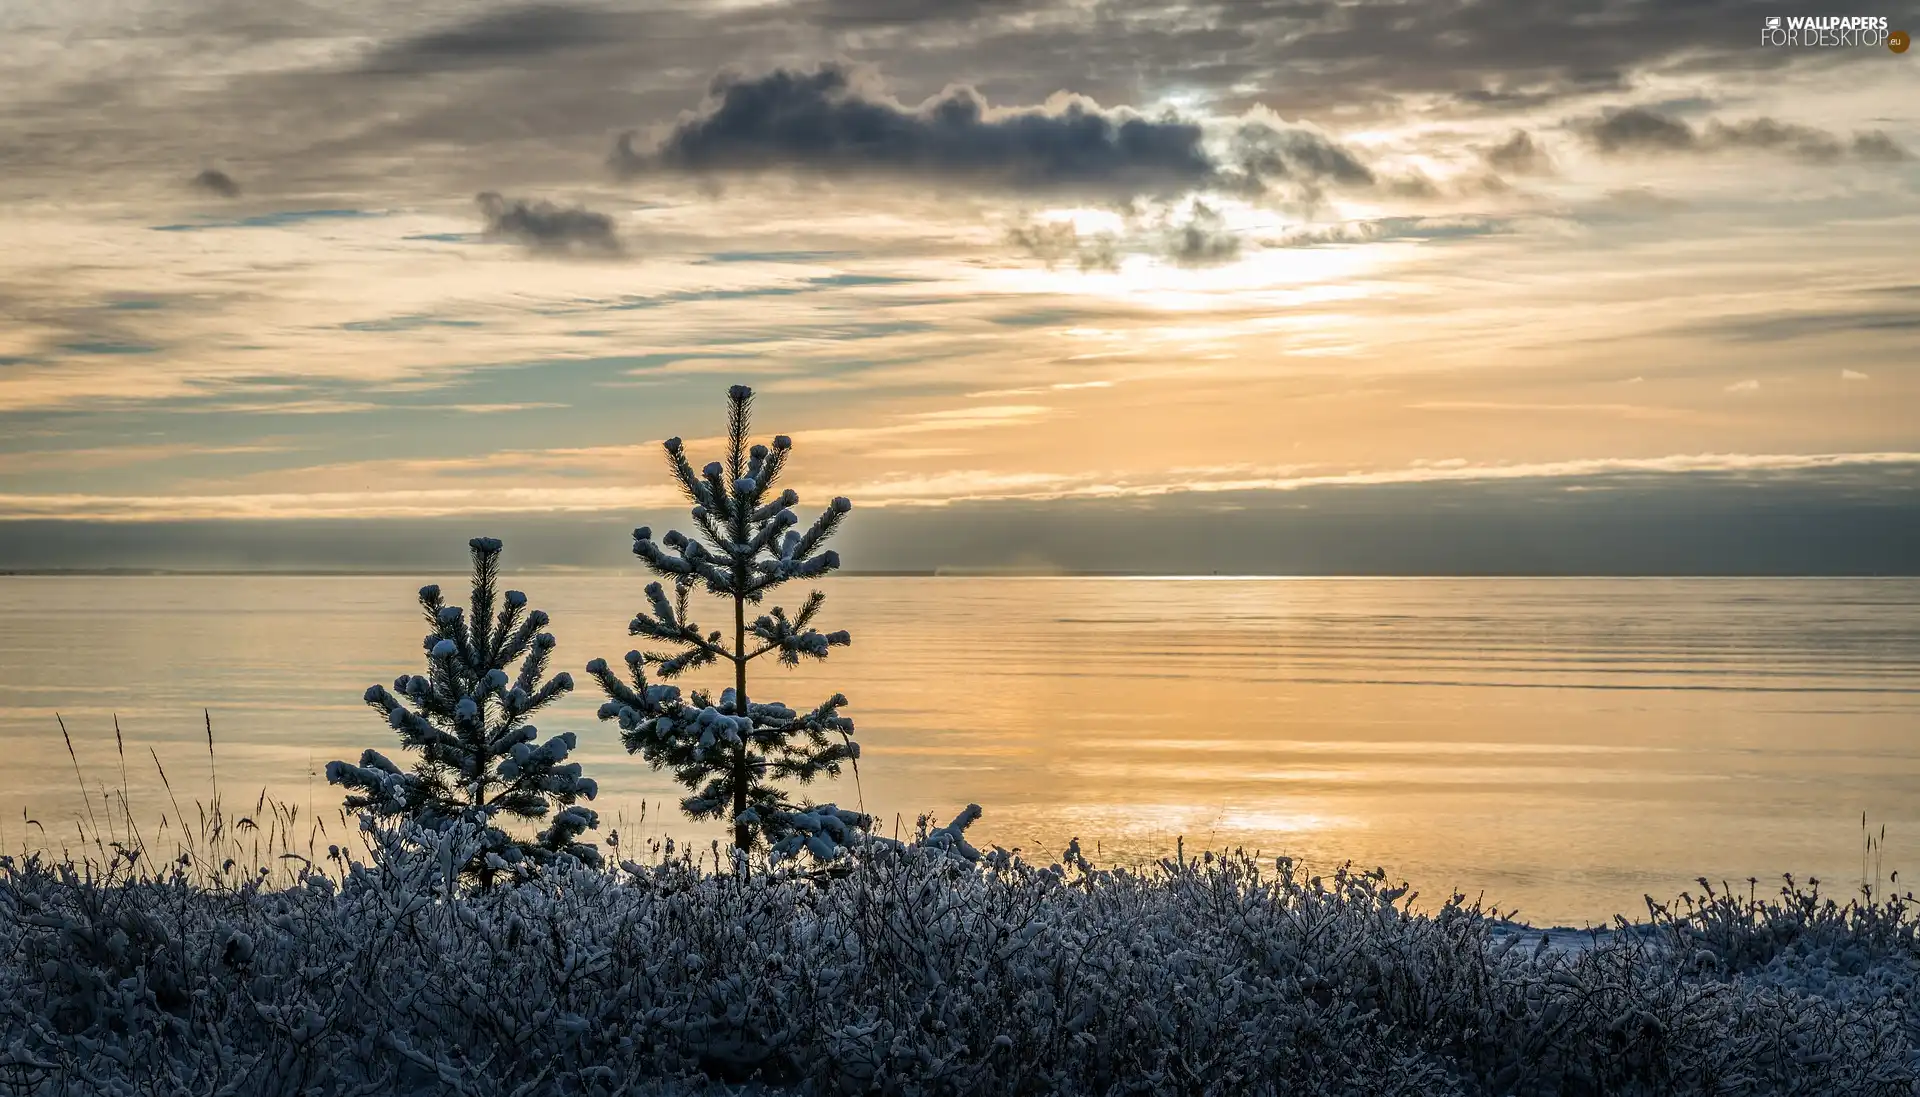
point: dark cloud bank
(838, 119)
(1859, 524)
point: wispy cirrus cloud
(506, 35)
(81, 458)
(1625, 411)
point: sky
(1255, 285)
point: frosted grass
(916, 971)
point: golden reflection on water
(1563, 746)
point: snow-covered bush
(480, 760)
(732, 753)
(916, 971)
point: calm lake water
(1562, 746)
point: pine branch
(690, 484)
(503, 629)
(739, 421)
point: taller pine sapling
(732, 753)
(468, 719)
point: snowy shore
(921, 972)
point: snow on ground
(921, 971)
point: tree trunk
(742, 836)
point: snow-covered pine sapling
(479, 759)
(732, 753)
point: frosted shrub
(916, 972)
(730, 752)
(480, 760)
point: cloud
(509, 36)
(1877, 147)
(1631, 202)
(498, 409)
(891, 13)
(1386, 229)
(1057, 242)
(279, 219)
(1519, 154)
(1865, 519)
(548, 228)
(910, 490)
(1749, 385)
(1411, 185)
(979, 486)
(1197, 237)
(1852, 375)
(371, 504)
(1625, 411)
(1639, 130)
(280, 407)
(1507, 52)
(120, 456)
(526, 92)
(837, 119)
(1203, 240)
(840, 120)
(1780, 325)
(1801, 142)
(104, 346)
(1265, 150)
(215, 181)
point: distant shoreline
(929, 573)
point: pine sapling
(732, 753)
(467, 717)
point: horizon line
(951, 573)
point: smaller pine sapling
(731, 752)
(468, 719)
